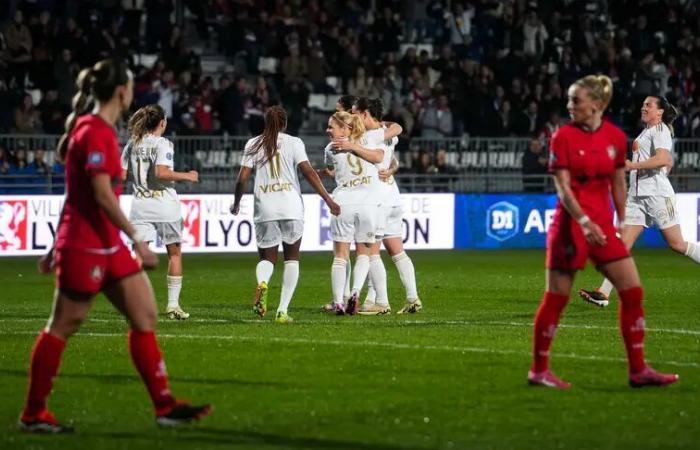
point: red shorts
(88, 272)
(567, 248)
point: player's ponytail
(375, 107)
(352, 122)
(275, 123)
(144, 121)
(599, 87)
(670, 112)
(96, 83)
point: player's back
(93, 148)
(277, 192)
(356, 179)
(155, 200)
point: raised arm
(241, 183)
(392, 130)
(315, 182)
(592, 232)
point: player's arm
(109, 203)
(165, 173)
(392, 130)
(372, 155)
(662, 158)
(384, 174)
(241, 183)
(619, 194)
(315, 182)
(592, 232)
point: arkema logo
(502, 221)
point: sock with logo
(546, 322)
(146, 356)
(46, 359)
(632, 326)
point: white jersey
(389, 190)
(357, 180)
(651, 182)
(154, 200)
(277, 193)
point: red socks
(632, 326)
(546, 322)
(46, 358)
(149, 363)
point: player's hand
(326, 172)
(193, 176)
(342, 146)
(46, 263)
(593, 233)
(629, 165)
(334, 207)
(149, 260)
(235, 208)
(385, 174)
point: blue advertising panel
(513, 221)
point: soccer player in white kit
(155, 209)
(278, 206)
(390, 228)
(356, 180)
(651, 199)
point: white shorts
(356, 223)
(272, 233)
(168, 232)
(390, 222)
(649, 211)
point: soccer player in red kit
(588, 163)
(90, 257)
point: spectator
(437, 119)
(360, 85)
(504, 120)
(528, 122)
(5, 160)
(19, 46)
(27, 117)
(51, 113)
(534, 35)
(231, 107)
(534, 167)
(64, 71)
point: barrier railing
(468, 164)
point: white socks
(407, 274)
(606, 288)
(360, 274)
(377, 275)
(289, 284)
(693, 251)
(263, 271)
(338, 279)
(174, 287)
(371, 293)
(348, 277)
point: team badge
(612, 152)
(635, 146)
(169, 156)
(95, 157)
(581, 153)
(96, 273)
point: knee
(146, 321)
(65, 327)
(678, 246)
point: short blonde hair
(353, 122)
(599, 87)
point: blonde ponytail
(353, 122)
(599, 87)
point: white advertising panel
(28, 223)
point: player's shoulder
(249, 143)
(660, 129)
(565, 131)
(613, 130)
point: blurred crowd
(443, 68)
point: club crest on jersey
(169, 156)
(635, 146)
(612, 152)
(96, 273)
(95, 157)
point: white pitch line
(405, 323)
(393, 345)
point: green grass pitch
(449, 377)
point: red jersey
(591, 158)
(93, 148)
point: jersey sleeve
(328, 156)
(165, 152)
(248, 158)
(558, 152)
(102, 154)
(663, 139)
(299, 152)
(126, 153)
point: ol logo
(13, 225)
(502, 221)
(191, 218)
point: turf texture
(449, 377)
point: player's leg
(69, 312)
(269, 237)
(624, 276)
(554, 300)
(600, 297)
(675, 241)
(407, 273)
(341, 253)
(170, 234)
(359, 275)
(133, 296)
(377, 302)
(292, 231)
